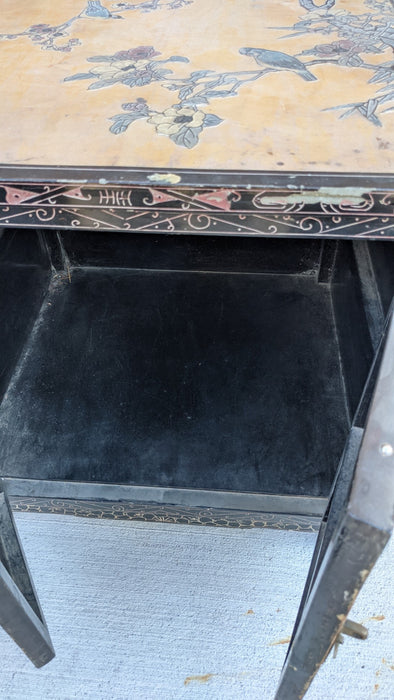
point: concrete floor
(170, 612)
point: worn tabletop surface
(238, 85)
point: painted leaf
(371, 117)
(213, 84)
(217, 93)
(387, 97)
(226, 79)
(380, 77)
(353, 110)
(162, 73)
(100, 59)
(137, 79)
(354, 61)
(212, 120)
(371, 107)
(186, 91)
(195, 100)
(383, 72)
(197, 74)
(187, 137)
(102, 84)
(179, 59)
(122, 122)
(79, 76)
(333, 109)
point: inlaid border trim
(147, 512)
(181, 210)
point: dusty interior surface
(180, 379)
(277, 86)
(216, 363)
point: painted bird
(96, 9)
(278, 61)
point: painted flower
(141, 52)
(173, 119)
(139, 107)
(333, 49)
(336, 47)
(131, 73)
(115, 70)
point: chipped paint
(326, 195)
(364, 574)
(165, 178)
(74, 181)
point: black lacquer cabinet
(225, 376)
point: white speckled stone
(136, 610)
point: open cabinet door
(20, 612)
(353, 533)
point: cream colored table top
(240, 85)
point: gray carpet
(167, 612)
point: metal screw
(386, 450)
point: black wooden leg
(20, 612)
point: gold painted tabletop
(242, 85)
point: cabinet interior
(223, 364)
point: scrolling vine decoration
(185, 210)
